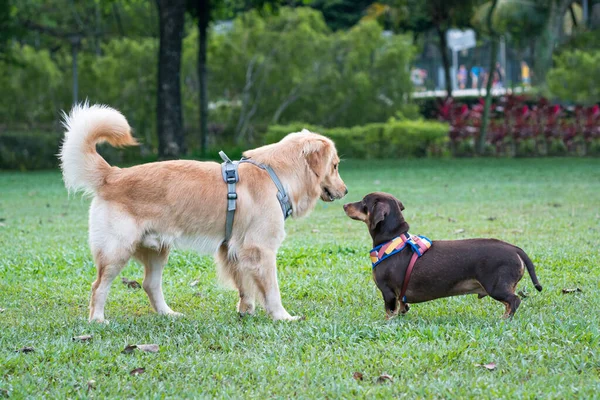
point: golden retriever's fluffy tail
(83, 168)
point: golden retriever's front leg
(261, 264)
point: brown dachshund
(449, 268)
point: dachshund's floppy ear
(316, 153)
(379, 212)
(401, 205)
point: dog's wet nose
(346, 191)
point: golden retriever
(145, 210)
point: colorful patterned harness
(419, 245)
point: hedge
(394, 139)
(31, 150)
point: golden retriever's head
(308, 163)
(323, 161)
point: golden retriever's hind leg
(154, 263)
(229, 271)
(261, 265)
(107, 271)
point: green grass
(551, 349)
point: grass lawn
(551, 349)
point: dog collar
(419, 245)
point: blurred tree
(420, 16)
(204, 11)
(534, 21)
(339, 14)
(9, 29)
(171, 141)
(494, 38)
(575, 76)
(291, 67)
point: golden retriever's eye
(335, 167)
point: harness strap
(229, 169)
(411, 264)
(282, 196)
(231, 177)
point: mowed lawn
(551, 349)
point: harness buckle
(230, 176)
(232, 196)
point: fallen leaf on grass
(565, 291)
(82, 338)
(451, 219)
(25, 350)
(490, 367)
(384, 378)
(491, 218)
(459, 231)
(315, 231)
(2, 224)
(91, 384)
(150, 348)
(517, 231)
(194, 283)
(137, 371)
(358, 376)
(131, 284)
(2, 310)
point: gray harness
(231, 177)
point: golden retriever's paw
(172, 313)
(97, 320)
(289, 318)
(245, 309)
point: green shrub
(380, 140)
(575, 76)
(29, 150)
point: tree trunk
(75, 43)
(488, 94)
(203, 21)
(548, 40)
(171, 143)
(445, 60)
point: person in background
(498, 81)
(525, 74)
(462, 77)
(475, 72)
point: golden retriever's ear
(316, 152)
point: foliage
(340, 14)
(29, 150)
(548, 208)
(541, 129)
(290, 66)
(394, 139)
(521, 20)
(23, 100)
(575, 76)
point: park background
(195, 77)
